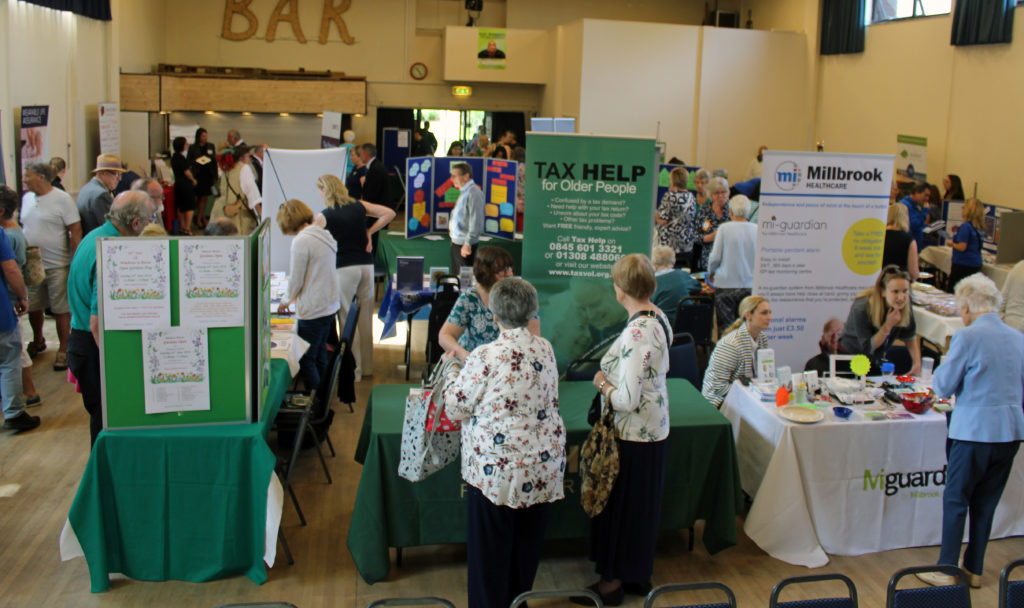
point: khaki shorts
(52, 293)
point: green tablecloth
(435, 253)
(701, 480)
(186, 503)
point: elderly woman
(731, 263)
(966, 243)
(312, 286)
(346, 221)
(513, 448)
(984, 368)
(711, 216)
(900, 248)
(673, 284)
(881, 315)
(632, 383)
(675, 218)
(471, 322)
(734, 354)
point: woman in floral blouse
(471, 323)
(676, 218)
(513, 448)
(711, 216)
(632, 380)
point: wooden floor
(45, 466)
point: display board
(431, 195)
(419, 197)
(952, 214)
(821, 231)
(396, 148)
(500, 198)
(259, 329)
(590, 203)
(177, 362)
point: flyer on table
(821, 230)
(210, 274)
(136, 286)
(176, 369)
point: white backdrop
(293, 174)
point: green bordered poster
(590, 202)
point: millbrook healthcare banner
(821, 230)
(590, 202)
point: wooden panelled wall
(157, 92)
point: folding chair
(411, 601)
(682, 360)
(950, 596)
(1011, 593)
(730, 597)
(831, 602)
(527, 596)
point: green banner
(591, 201)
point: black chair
(695, 315)
(411, 601)
(949, 596)
(730, 597)
(446, 293)
(850, 601)
(682, 360)
(1011, 593)
(585, 367)
(527, 596)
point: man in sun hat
(96, 196)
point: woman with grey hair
(711, 216)
(984, 368)
(513, 447)
(731, 264)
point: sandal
(34, 348)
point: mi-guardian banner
(821, 230)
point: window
(887, 10)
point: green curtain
(842, 27)
(982, 22)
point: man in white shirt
(53, 224)
(247, 180)
(466, 223)
(731, 263)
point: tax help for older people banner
(589, 201)
(821, 230)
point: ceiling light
(285, 114)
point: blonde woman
(879, 317)
(734, 354)
(312, 286)
(966, 243)
(900, 248)
(346, 221)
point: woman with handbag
(513, 448)
(632, 385)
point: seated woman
(900, 248)
(513, 448)
(471, 323)
(673, 284)
(734, 354)
(880, 316)
(984, 368)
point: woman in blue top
(471, 322)
(966, 242)
(984, 368)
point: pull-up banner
(590, 201)
(821, 230)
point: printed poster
(490, 49)
(590, 204)
(110, 135)
(136, 285)
(330, 129)
(912, 157)
(821, 230)
(176, 368)
(35, 139)
(210, 275)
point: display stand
(237, 386)
(431, 195)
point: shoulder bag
(425, 448)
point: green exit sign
(462, 91)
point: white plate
(801, 414)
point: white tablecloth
(942, 258)
(835, 487)
(935, 327)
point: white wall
(562, 94)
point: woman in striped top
(734, 354)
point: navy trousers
(313, 364)
(503, 547)
(975, 479)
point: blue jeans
(975, 479)
(313, 364)
(10, 373)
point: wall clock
(418, 70)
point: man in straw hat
(96, 196)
